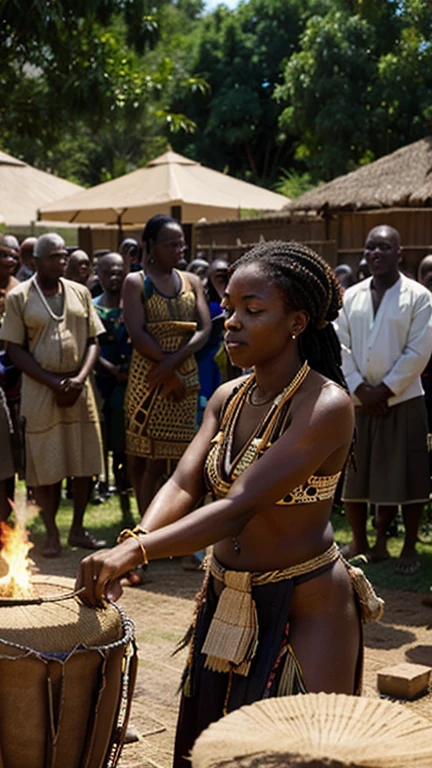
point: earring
(293, 336)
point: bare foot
(52, 546)
(136, 577)
(349, 551)
(378, 553)
(407, 563)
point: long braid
(309, 283)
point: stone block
(404, 681)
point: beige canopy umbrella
(170, 184)
(25, 189)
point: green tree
(241, 54)
(82, 91)
(360, 85)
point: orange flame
(15, 573)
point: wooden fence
(339, 237)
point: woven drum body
(66, 679)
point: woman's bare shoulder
(319, 391)
(194, 281)
(134, 279)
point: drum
(67, 674)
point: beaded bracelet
(128, 534)
(141, 531)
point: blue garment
(209, 372)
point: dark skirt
(392, 462)
(208, 695)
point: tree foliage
(360, 85)
(241, 54)
(82, 91)
(288, 91)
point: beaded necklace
(219, 462)
(57, 318)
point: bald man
(424, 274)
(50, 327)
(385, 328)
(27, 268)
(10, 241)
(78, 267)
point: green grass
(384, 574)
(105, 521)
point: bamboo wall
(339, 238)
(230, 239)
(414, 225)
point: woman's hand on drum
(99, 574)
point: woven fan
(317, 731)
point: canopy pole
(120, 228)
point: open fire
(67, 670)
(15, 564)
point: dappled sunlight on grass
(384, 574)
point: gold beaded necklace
(219, 462)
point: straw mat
(58, 627)
(317, 731)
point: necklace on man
(57, 318)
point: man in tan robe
(50, 328)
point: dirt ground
(161, 610)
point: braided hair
(308, 283)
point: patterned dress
(156, 427)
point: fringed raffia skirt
(251, 626)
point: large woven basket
(317, 731)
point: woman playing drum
(277, 613)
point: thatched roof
(401, 179)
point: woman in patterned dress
(168, 320)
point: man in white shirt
(385, 328)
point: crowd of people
(227, 397)
(98, 369)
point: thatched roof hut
(401, 179)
